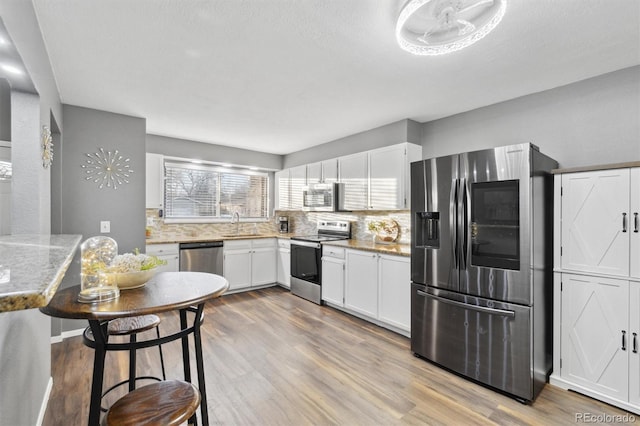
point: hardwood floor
(272, 358)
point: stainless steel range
(306, 252)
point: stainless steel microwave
(321, 197)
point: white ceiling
(279, 76)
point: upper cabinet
(154, 185)
(322, 172)
(378, 179)
(373, 180)
(354, 174)
(600, 223)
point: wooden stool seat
(164, 403)
(131, 325)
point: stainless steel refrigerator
(481, 266)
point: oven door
(305, 261)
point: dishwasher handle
(201, 245)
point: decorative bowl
(129, 280)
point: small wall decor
(107, 168)
(47, 147)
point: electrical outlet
(105, 226)
(150, 221)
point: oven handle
(482, 309)
(305, 244)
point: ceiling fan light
(413, 30)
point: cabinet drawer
(330, 251)
(162, 249)
(264, 243)
(237, 245)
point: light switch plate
(105, 226)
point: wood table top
(167, 291)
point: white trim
(66, 335)
(45, 402)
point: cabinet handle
(624, 222)
(635, 343)
(636, 222)
(624, 340)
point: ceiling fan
(435, 27)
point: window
(196, 191)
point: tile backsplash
(301, 223)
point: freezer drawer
(482, 339)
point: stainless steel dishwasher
(202, 257)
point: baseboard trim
(66, 335)
(45, 402)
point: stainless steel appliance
(202, 257)
(283, 224)
(306, 254)
(322, 197)
(481, 265)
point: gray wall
(25, 351)
(83, 205)
(390, 134)
(209, 152)
(595, 121)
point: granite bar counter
(32, 267)
(368, 245)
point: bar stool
(164, 403)
(131, 326)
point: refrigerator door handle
(465, 224)
(483, 309)
(453, 227)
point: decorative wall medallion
(47, 147)
(108, 168)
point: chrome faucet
(236, 219)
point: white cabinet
(282, 190)
(634, 355)
(333, 275)
(634, 223)
(596, 284)
(154, 183)
(386, 178)
(377, 286)
(167, 252)
(361, 282)
(288, 187)
(250, 263)
(595, 326)
(263, 261)
(378, 179)
(354, 175)
(323, 171)
(283, 267)
(395, 291)
(595, 207)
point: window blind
(201, 191)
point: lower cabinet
(361, 282)
(333, 275)
(283, 267)
(394, 291)
(599, 329)
(372, 285)
(167, 252)
(250, 263)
